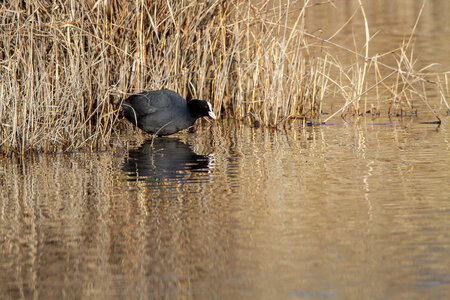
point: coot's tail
(129, 112)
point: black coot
(164, 112)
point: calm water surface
(390, 22)
(233, 212)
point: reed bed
(66, 65)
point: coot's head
(200, 108)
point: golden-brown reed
(65, 65)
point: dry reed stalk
(400, 88)
(65, 66)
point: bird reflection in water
(165, 158)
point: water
(320, 212)
(390, 22)
(356, 210)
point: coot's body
(164, 112)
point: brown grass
(65, 66)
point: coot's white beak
(212, 115)
(210, 112)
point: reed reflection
(164, 158)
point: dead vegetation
(65, 66)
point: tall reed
(65, 66)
